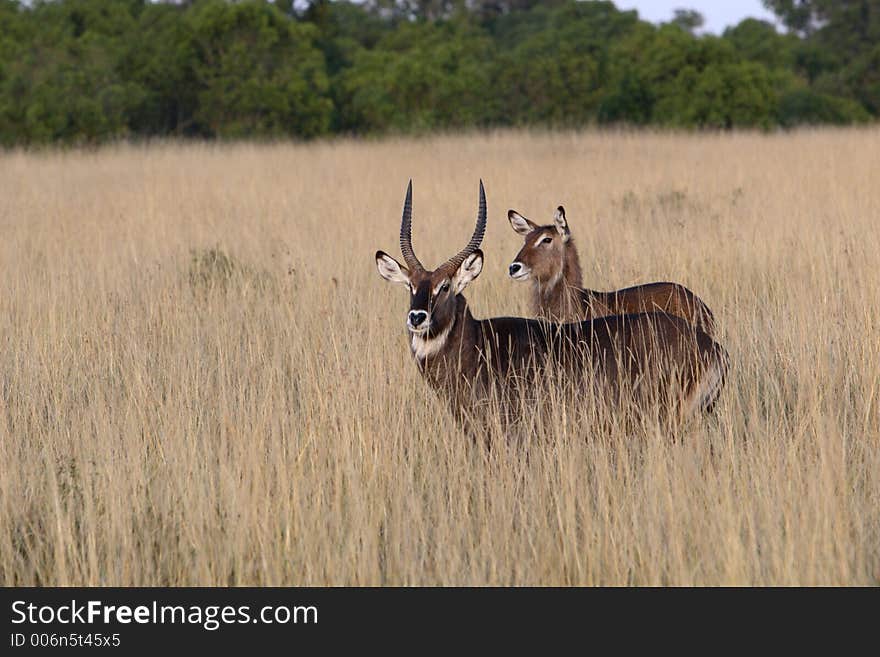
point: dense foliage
(85, 71)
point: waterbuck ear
(519, 223)
(468, 271)
(561, 223)
(390, 269)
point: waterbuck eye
(445, 287)
(546, 240)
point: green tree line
(88, 71)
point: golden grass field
(205, 381)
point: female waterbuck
(549, 259)
(469, 360)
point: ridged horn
(406, 233)
(455, 262)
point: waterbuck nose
(514, 268)
(416, 317)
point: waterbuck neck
(451, 353)
(560, 297)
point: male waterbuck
(468, 360)
(550, 260)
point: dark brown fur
(482, 358)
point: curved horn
(476, 238)
(406, 233)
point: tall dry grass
(205, 381)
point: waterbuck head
(542, 257)
(434, 295)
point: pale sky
(719, 14)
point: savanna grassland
(204, 381)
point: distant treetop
(89, 71)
